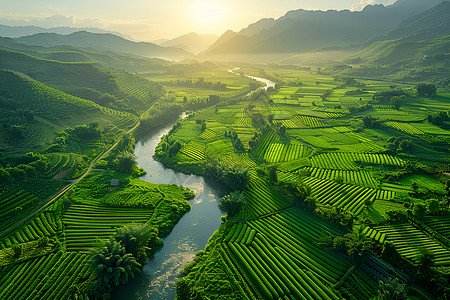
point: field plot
(52, 276)
(278, 258)
(409, 240)
(46, 224)
(308, 121)
(405, 127)
(85, 224)
(348, 197)
(335, 138)
(349, 161)
(261, 199)
(195, 150)
(361, 178)
(440, 224)
(276, 148)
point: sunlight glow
(207, 12)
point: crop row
(208, 135)
(298, 233)
(404, 127)
(361, 178)
(85, 224)
(46, 277)
(274, 275)
(194, 150)
(408, 240)
(10, 202)
(348, 161)
(46, 224)
(274, 148)
(261, 199)
(308, 121)
(440, 224)
(348, 197)
(240, 233)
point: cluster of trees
(337, 215)
(168, 147)
(326, 94)
(400, 144)
(237, 143)
(254, 140)
(439, 119)
(298, 192)
(356, 244)
(70, 138)
(199, 83)
(158, 115)
(202, 123)
(121, 257)
(232, 203)
(385, 97)
(370, 122)
(19, 168)
(426, 90)
(202, 102)
(234, 177)
(360, 108)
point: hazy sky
(151, 19)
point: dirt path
(33, 214)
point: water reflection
(189, 236)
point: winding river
(190, 234)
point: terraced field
(85, 224)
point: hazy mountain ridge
(19, 31)
(435, 21)
(321, 29)
(104, 42)
(192, 42)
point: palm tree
(137, 240)
(112, 264)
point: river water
(189, 236)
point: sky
(149, 20)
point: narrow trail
(37, 211)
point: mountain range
(192, 42)
(104, 42)
(305, 30)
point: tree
(370, 122)
(397, 101)
(391, 289)
(357, 245)
(174, 148)
(273, 174)
(282, 129)
(433, 206)
(426, 90)
(112, 264)
(137, 239)
(425, 259)
(126, 161)
(419, 210)
(232, 203)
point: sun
(207, 12)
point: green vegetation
(337, 185)
(333, 179)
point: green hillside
(90, 81)
(32, 113)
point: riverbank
(188, 237)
